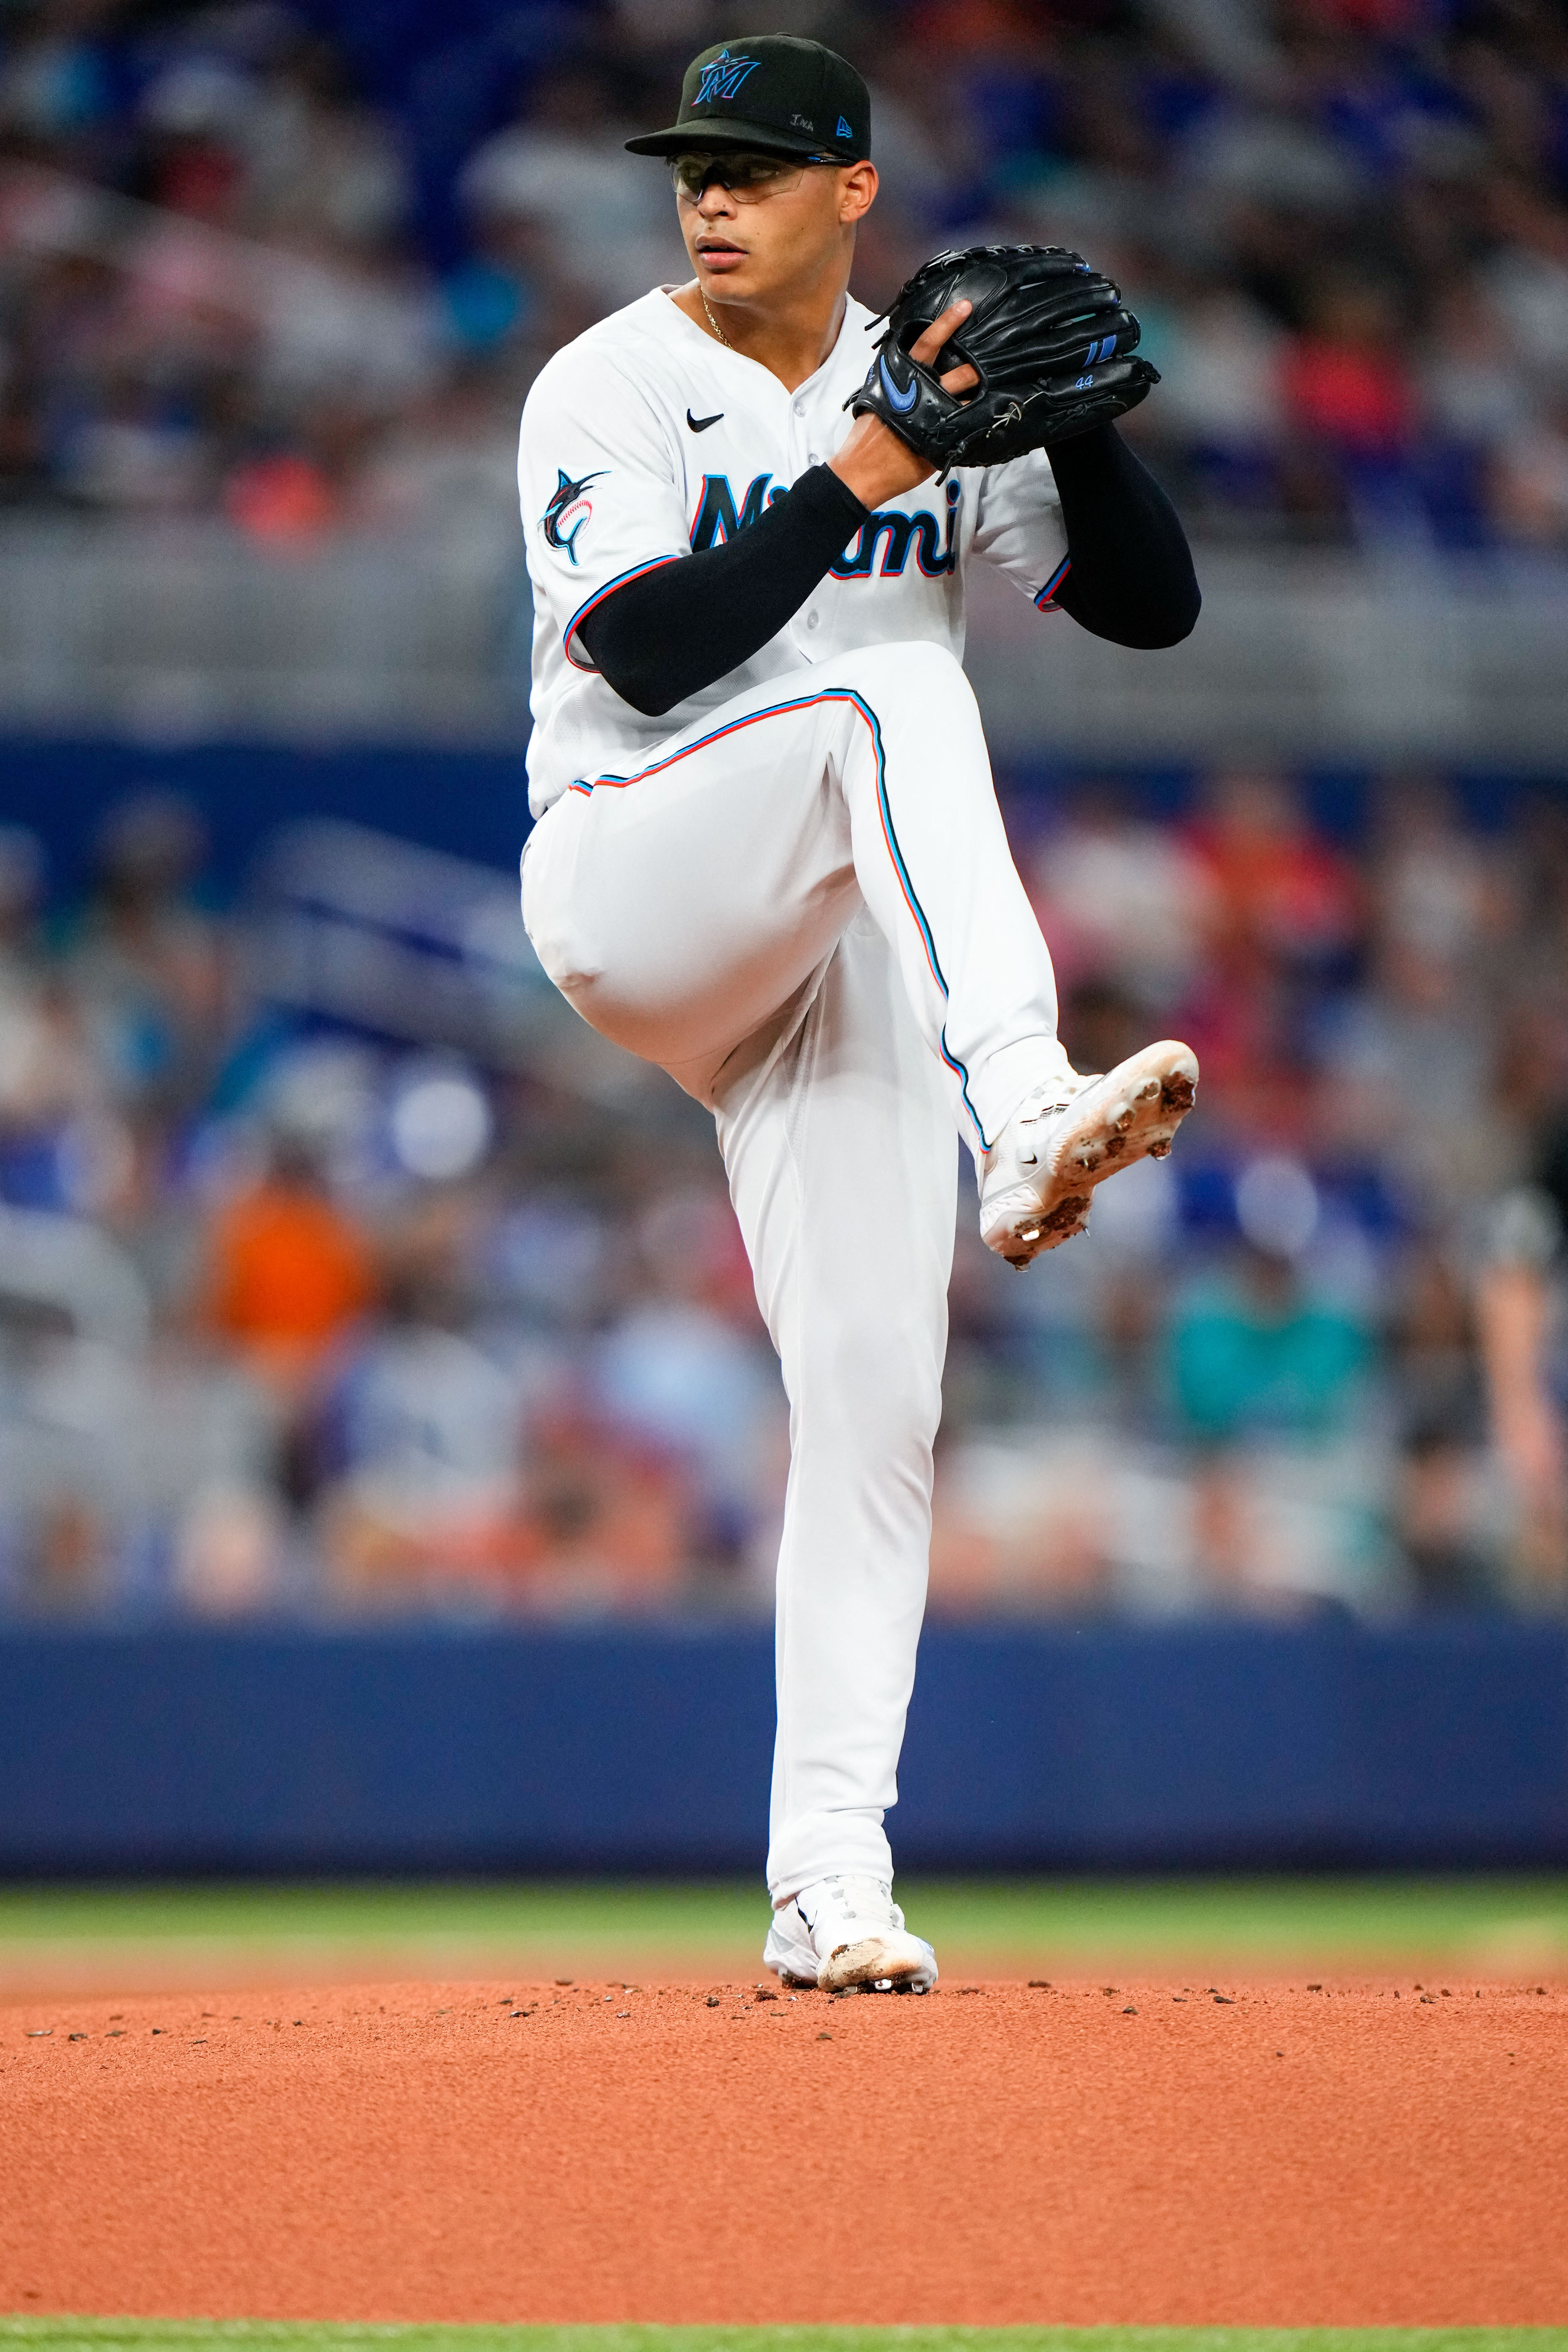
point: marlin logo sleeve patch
(568, 504)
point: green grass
(66, 2335)
(1488, 1921)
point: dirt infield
(1363, 2153)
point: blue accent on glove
(902, 401)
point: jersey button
(811, 620)
(800, 408)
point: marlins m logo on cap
(721, 77)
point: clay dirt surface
(1368, 2152)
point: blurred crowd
(296, 265)
(309, 1316)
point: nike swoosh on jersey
(700, 424)
(901, 400)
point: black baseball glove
(1048, 337)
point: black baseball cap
(786, 96)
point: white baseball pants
(804, 907)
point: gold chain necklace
(713, 322)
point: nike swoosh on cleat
(700, 424)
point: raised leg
(680, 907)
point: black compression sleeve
(1131, 578)
(667, 635)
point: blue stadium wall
(648, 1748)
(470, 804)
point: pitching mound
(1357, 2153)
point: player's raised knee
(908, 672)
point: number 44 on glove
(1048, 337)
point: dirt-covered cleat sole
(1069, 1136)
(899, 1962)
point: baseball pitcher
(768, 853)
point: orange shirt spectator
(289, 1272)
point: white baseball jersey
(645, 440)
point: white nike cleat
(1071, 1133)
(841, 1932)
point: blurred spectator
(1350, 395)
(1529, 479)
(613, 1522)
(1284, 915)
(1528, 278)
(1524, 1309)
(687, 1370)
(1437, 893)
(606, 219)
(147, 966)
(1411, 1066)
(424, 1429)
(46, 1069)
(1025, 1526)
(1223, 401)
(448, 468)
(286, 499)
(1279, 894)
(1442, 1522)
(288, 1271)
(1268, 1374)
(1122, 900)
(1255, 1353)
(1475, 393)
(1433, 1367)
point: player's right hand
(874, 462)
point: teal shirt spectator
(1255, 1354)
